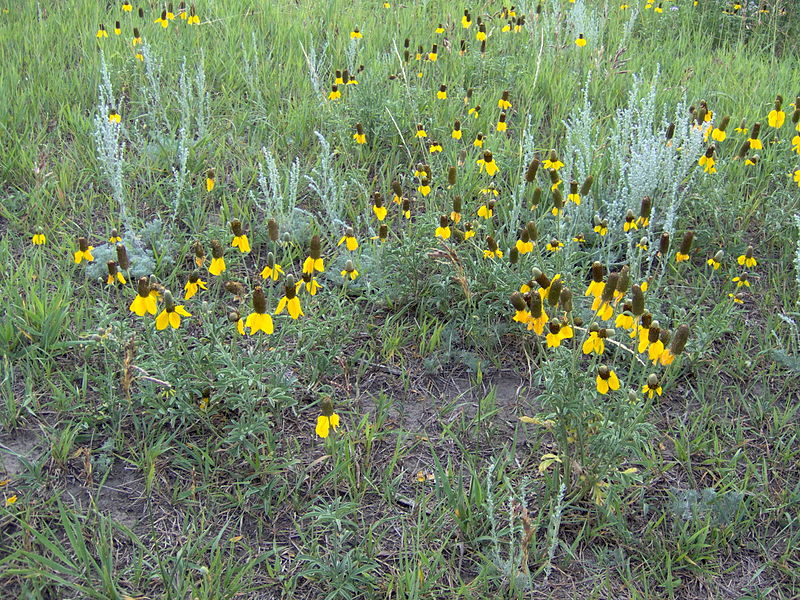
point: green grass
(184, 463)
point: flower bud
(533, 233)
(530, 173)
(122, 257)
(686, 242)
(315, 248)
(679, 340)
(513, 255)
(537, 196)
(663, 244)
(451, 176)
(587, 185)
(610, 287)
(565, 299)
(637, 301)
(555, 292)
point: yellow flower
(488, 163)
(101, 32)
(144, 302)
(747, 259)
(594, 343)
(290, 301)
(554, 245)
(38, 238)
(259, 319)
(606, 380)
(349, 271)
(210, 180)
(114, 116)
(775, 118)
(485, 211)
(443, 230)
(84, 251)
(741, 280)
(349, 240)
(217, 266)
(325, 423)
(241, 242)
(126, 6)
(335, 93)
(557, 334)
(171, 317)
(272, 271)
(356, 34)
(193, 284)
(580, 41)
(652, 387)
(11, 500)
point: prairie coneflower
(488, 163)
(747, 259)
(524, 243)
(273, 270)
(310, 282)
(378, 209)
(217, 260)
(443, 230)
(682, 254)
(606, 380)
(144, 302)
(84, 251)
(573, 195)
(554, 245)
(493, 251)
(193, 284)
(114, 274)
(359, 136)
(442, 93)
(127, 6)
(456, 133)
(715, 261)
(349, 240)
(501, 122)
(327, 420)
(259, 319)
(776, 116)
(114, 116)
(434, 147)
(503, 103)
(707, 161)
(469, 231)
(433, 55)
(335, 93)
(117, 29)
(676, 347)
(597, 284)
(645, 209)
(240, 240)
(596, 340)
(538, 318)
(552, 162)
(38, 238)
(349, 271)
(101, 31)
(290, 301)
(314, 262)
(475, 111)
(755, 142)
(718, 133)
(162, 20)
(486, 211)
(424, 186)
(652, 386)
(580, 41)
(421, 133)
(522, 314)
(466, 20)
(172, 313)
(210, 180)
(557, 333)
(193, 18)
(137, 38)
(356, 34)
